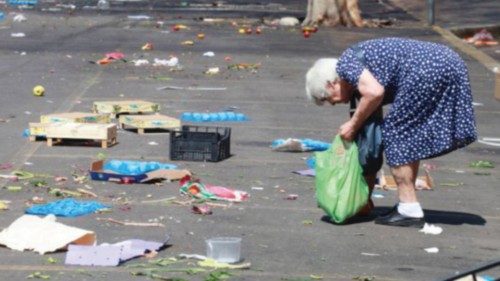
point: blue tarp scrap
(68, 207)
(132, 168)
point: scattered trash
(111, 254)
(224, 249)
(103, 4)
(140, 62)
(212, 71)
(307, 222)
(200, 36)
(370, 254)
(123, 171)
(131, 223)
(482, 38)
(244, 66)
(38, 91)
(173, 61)
(213, 117)
(192, 256)
(153, 143)
(377, 195)
(22, 2)
(18, 35)
(4, 205)
(38, 275)
(202, 210)
(431, 229)
(490, 141)
(147, 47)
(364, 278)
(257, 188)
(299, 145)
(111, 57)
(43, 235)
(287, 21)
(19, 18)
(292, 197)
(209, 54)
(432, 250)
(482, 164)
(222, 265)
(2, 15)
(14, 188)
(190, 88)
(451, 184)
(178, 27)
(138, 17)
(68, 207)
(211, 192)
(307, 173)
(187, 43)
(477, 104)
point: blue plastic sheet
(68, 207)
(133, 168)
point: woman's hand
(347, 131)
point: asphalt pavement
(282, 239)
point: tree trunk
(333, 12)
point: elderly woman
(431, 113)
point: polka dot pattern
(428, 86)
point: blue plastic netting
(68, 207)
(133, 168)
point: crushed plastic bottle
(213, 117)
(103, 4)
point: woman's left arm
(372, 94)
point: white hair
(317, 77)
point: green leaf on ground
(38, 275)
(482, 164)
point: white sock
(413, 210)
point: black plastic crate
(197, 143)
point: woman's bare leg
(405, 177)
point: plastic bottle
(2, 16)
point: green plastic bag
(341, 189)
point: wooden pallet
(115, 108)
(104, 133)
(38, 129)
(143, 122)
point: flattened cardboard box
(99, 174)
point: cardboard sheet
(43, 235)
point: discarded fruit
(248, 30)
(38, 91)
(241, 31)
(200, 36)
(147, 47)
(307, 34)
(258, 31)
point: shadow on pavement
(431, 216)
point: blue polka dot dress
(428, 86)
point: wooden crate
(76, 117)
(105, 133)
(155, 121)
(114, 108)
